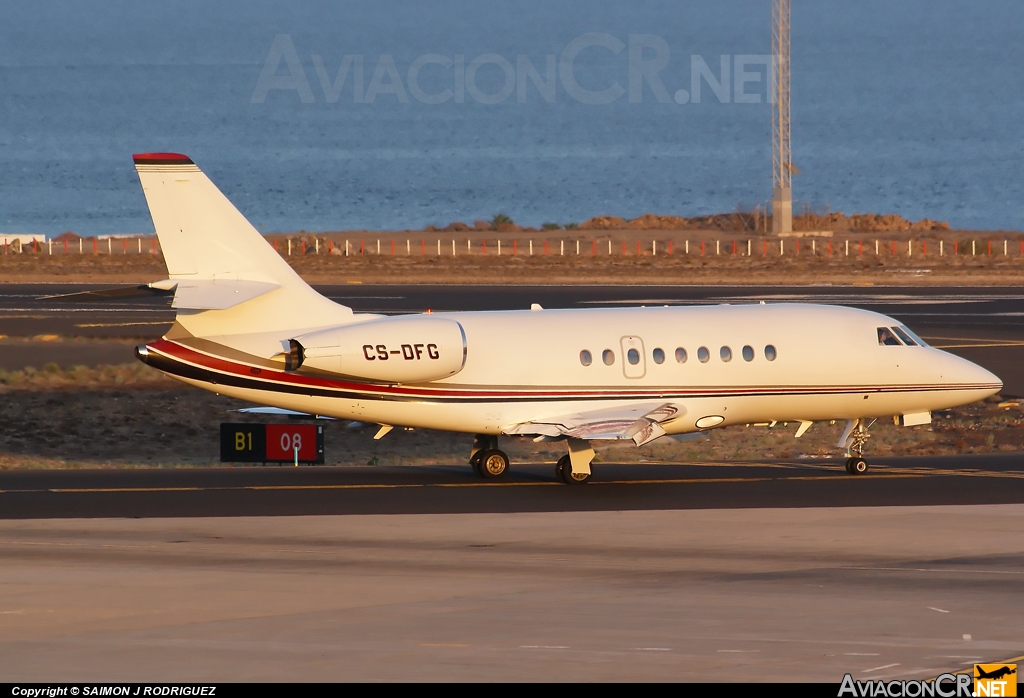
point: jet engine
(390, 350)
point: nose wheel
(856, 466)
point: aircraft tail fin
(229, 280)
(201, 233)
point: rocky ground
(131, 416)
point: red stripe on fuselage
(273, 377)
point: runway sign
(272, 443)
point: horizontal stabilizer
(640, 422)
(217, 294)
(112, 293)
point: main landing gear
(853, 439)
(491, 463)
(487, 460)
(574, 468)
(563, 471)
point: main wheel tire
(493, 464)
(849, 466)
(560, 467)
(565, 474)
(475, 462)
(858, 466)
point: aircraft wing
(640, 422)
(191, 294)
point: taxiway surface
(761, 571)
(777, 594)
(286, 491)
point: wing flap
(640, 422)
(282, 412)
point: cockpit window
(904, 336)
(913, 336)
(887, 338)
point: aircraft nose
(973, 374)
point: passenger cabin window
(658, 355)
(680, 355)
(726, 354)
(633, 357)
(770, 353)
(703, 355)
(585, 358)
(887, 338)
(608, 356)
(748, 353)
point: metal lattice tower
(782, 157)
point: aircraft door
(634, 360)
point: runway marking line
(381, 486)
(977, 346)
(879, 668)
(890, 474)
(928, 569)
(544, 647)
(123, 324)
(965, 339)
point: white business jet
(248, 327)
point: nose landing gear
(854, 438)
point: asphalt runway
(710, 595)
(26, 311)
(287, 491)
(982, 324)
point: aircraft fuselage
(720, 364)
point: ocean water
(914, 107)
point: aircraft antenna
(782, 156)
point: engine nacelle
(390, 350)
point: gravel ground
(131, 416)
